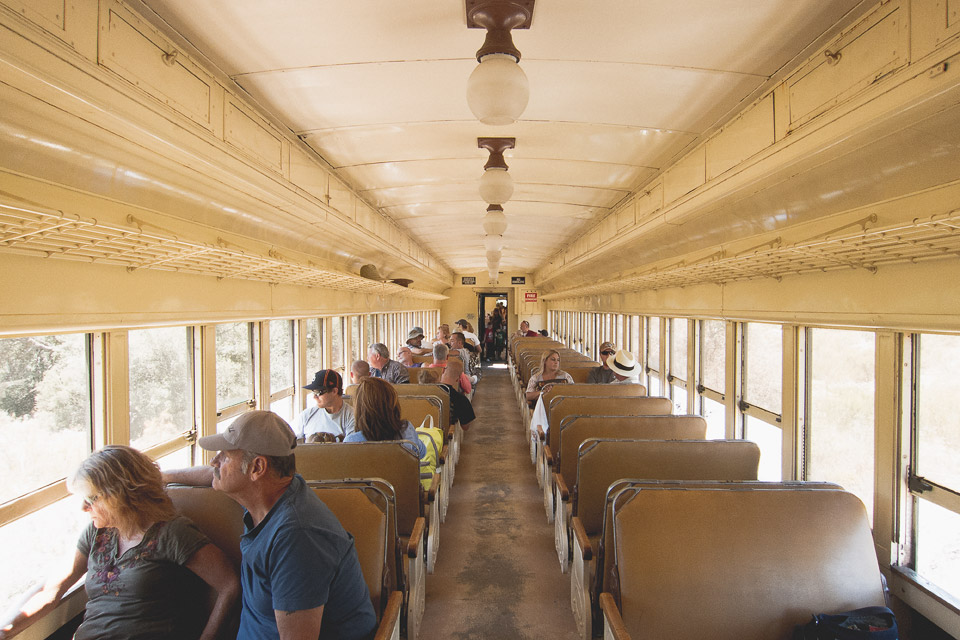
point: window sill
(929, 600)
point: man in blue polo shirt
(299, 569)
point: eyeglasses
(607, 353)
(320, 392)
(89, 501)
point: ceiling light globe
(494, 256)
(498, 90)
(493, 242)
(495, 223)
(496, 186)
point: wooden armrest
(548, 455)
(582, 539)
(432, 493)
(562, 486)
(612, 615)
(540, 433)
(443, 454)
(391, 616)
(416, 538)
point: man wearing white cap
(625, 368)
(299, 569)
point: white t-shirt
(472, 337)
(316, 420)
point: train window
(713, 354)
(653, 356)
(282, 390)
(44, 410)
(161, 384)
(370, 328)
(314, 338)
(934, 480)
(355, 342)
(27, 558)
(839, 413)
(336, 342)
(763, 365)
(770, 440)
(678, 363)
(715, 415)
(235, 370)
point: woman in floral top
(145, 565)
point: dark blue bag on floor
(869, 623)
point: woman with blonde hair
(377, 413)
(549, 375)
(142, 560)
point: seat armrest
(389, 626)
(582, 538)
(612, 621)
(540, 433)
(548, 455)
(561, 487)
(443, 453)
(416, 538)
(434, 484)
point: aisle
(497, 574)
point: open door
(494, 345)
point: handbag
(869, 623)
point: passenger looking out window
(331, 415)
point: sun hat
(416, 332)
(624, 364)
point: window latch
(743, 405)
(917, 484)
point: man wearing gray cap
(299, 569)
(415, 342)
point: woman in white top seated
(549, 375)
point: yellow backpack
(432, 438)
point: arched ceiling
(618, 89)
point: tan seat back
(574, 430)
(424, 375)
(219, 516)
(740, 565)
(602, 462)
(621, 490)
(365, 516)
(427, 390)
(391, 461)
(563, 406)
(417, 408)
(585, 390)
(423, 359)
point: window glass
(39, 546)
(938, 421)
(45, 426)
(938, 546)
(763, 365)
(713, 354)
(281, 355)
(678, 348)
(679, 399)
(161, 385)
(370, 325)
(840, 426)
(653, 385)
(714, 414)
(770, 440)
(179, 459)
(355, 338)
(653, 343)
(314, 347)
(283, 408)
(234, 364)
(336, 342)
(636, 338)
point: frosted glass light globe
(496, 186)
(493, 243)
(498, 90)
(494, 223)
(494, 256)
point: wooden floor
(497, 574)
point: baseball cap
(262, 432)
(325, 380)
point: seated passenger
(461, 409)
(378, 417)
(359, 370)
(405, 357)
(300, 573)
(381, 366)
(458, 345)
(624, 368)
(440, 353)
(466, 329)
(549, 375)
(331, 414)
(525, 331)
(140, 558)
(602, 374)
(443, 335)
(415, 342)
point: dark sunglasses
(607, 353)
